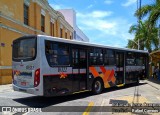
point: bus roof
(88, 44)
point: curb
(154, 85)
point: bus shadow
(42, 102)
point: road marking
(134, 99)
(88, 109)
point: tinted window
(140, 60)
(57, 53)
(96, 56)
(82, 58)
(109, 57)
(24, 49)
(75, 57)
(130, 58)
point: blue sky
(104, 21)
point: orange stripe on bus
(106, 75)
(113, 79)
(103, 69)
(111, 75)
(94, 71)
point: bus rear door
(79, 61)
(119, 68)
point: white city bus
(49, 66)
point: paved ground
(148, 91)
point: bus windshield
(25, 49)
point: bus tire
(97, 86)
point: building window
(70, 35)
(26, 14)
(42, 23)
(66, 35)
(61, 32)
(52, 28)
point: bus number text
(62, 69)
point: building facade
(23, 17)
(70, 16)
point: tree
(146, 31)
(146, 34)
(153, 10)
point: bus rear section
(25, 65)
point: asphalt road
(83, 103)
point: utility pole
(139, 19)
(159, 35)
(138, 44)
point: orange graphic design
(106, 75)
(17, 73)
(63, 75)
(93, 71)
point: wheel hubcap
(98, 86)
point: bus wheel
(97, 86)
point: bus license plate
(23, 83)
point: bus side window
(109, 57)
(75, 57)
(51, 54)
(130, 58)
(63, 54)
(82, 60)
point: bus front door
(79, 71)
(119, 68)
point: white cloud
(90, 6)
(129, 2)
(101, 14)
(57, 7)
(95, 14)
(104, 28)
(108, 2)
(101, 27)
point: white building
(70, 17)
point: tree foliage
(146, 31)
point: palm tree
(131, 44)
(153, 10)
(146, 31)
(146, 34)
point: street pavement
(148, 91)
(152, 82)
(6, 88)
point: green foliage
(146, 31)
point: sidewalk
(6, 88)
(153, 82)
